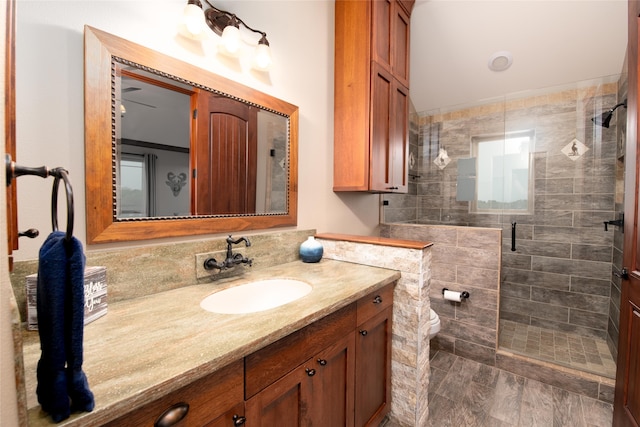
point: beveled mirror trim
(102, 226)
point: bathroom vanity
(329, 350)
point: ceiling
(553, 43)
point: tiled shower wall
(560, 274)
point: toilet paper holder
(463, 294)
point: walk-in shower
(536, 166)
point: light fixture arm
(217, 19)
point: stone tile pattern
(410, 335)
(478, 341)
(580, 382)
(143, 270)
(571, 350)
(467, 393)
(559, 277)
(464, 259)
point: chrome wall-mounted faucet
(231, 259)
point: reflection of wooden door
(626, 410)
(224, 156)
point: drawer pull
(310, 372)
(173, 415)
(377, 299)
(239, 420)
(363, 332)
(322, 362)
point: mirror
(224, 161)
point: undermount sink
(255, 296)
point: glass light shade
(193, 19)
(231, 40)
(262, 57)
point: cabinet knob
(310, 372)
(322, 362)
(392, 188)
(363, 332)
(173, 415)
(377, 299)
(239, 420)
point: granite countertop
(147, 347)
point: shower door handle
(617, 223)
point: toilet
(434, 320)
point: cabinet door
(283, 403)
(233, 417)
(317, 393)
(373, 369)
(390, 38)
(382, 93)
(332, 394)
(400, 45)
(389, 132)
(399, 139)
(381, 33)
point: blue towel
(62, 385)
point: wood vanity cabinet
(335, 372)
(317, 393)
(373, 358)
(305, 378)
(371, 109)
(213, 401)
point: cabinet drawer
(374, 303)
(267, 365)
(208, 398)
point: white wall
(50, 97)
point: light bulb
(231, 40)
(262, 59)
(193, 18)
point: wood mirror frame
(102, 224)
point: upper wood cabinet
(371, 95)
(391, 38)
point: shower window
(504, 173)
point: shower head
(605, 118)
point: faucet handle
(239, 259)
(211, 263)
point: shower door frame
(626, 409)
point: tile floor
(575, 351)
(467, 393)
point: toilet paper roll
(452, 296)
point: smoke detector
(500, 61)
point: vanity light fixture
(227, 26)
